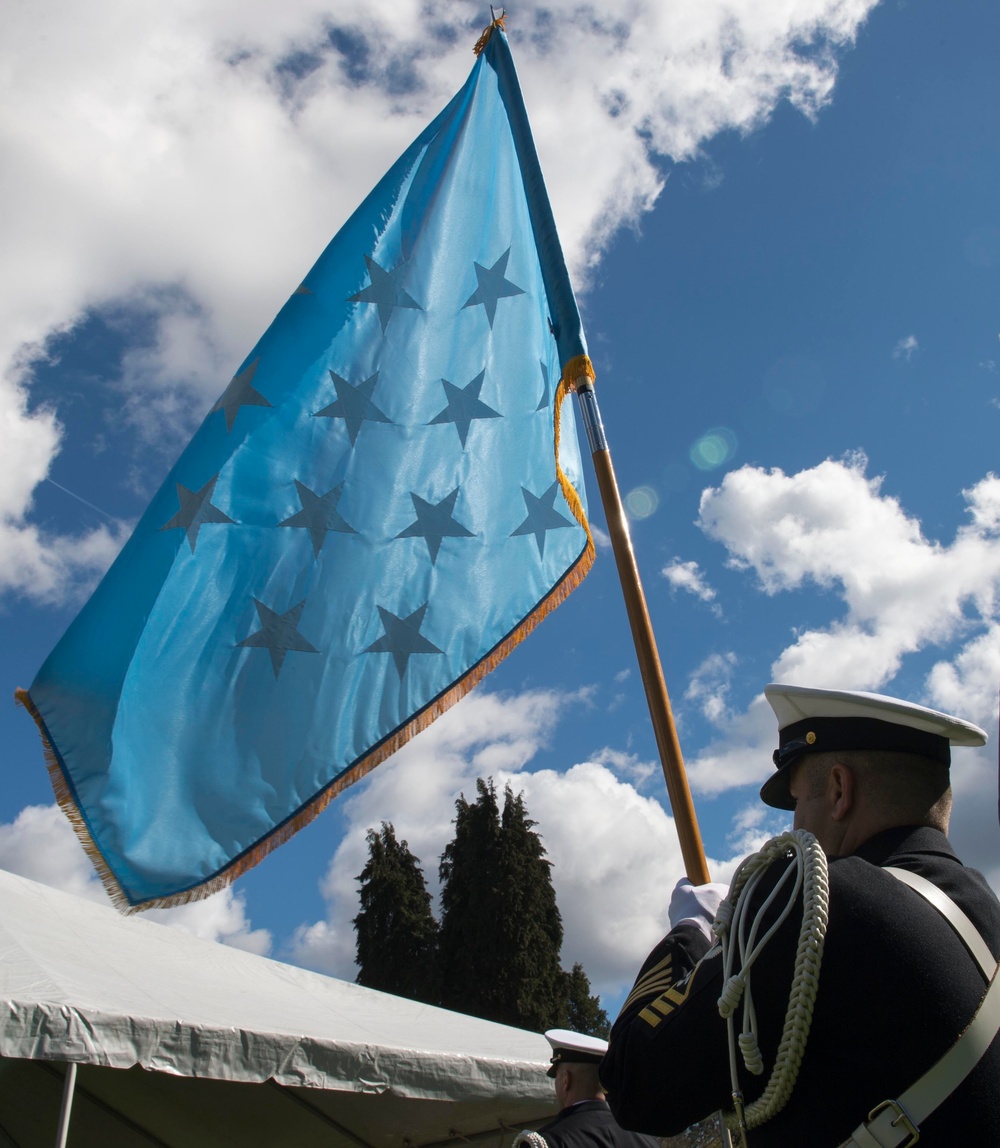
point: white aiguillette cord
(738, 932)
(529, 1139)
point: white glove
(696, 905)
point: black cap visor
(830, 734)
(571, 1056)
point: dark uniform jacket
(896, 989)
(590, 1124)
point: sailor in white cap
(890, 968)
(584, 1119)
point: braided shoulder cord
(738, 932)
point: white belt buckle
(901, 1118)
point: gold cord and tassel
(498, 22)
(577, 372)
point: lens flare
(641, 502)
(714, 449)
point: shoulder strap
(896, 1123)
(968, 932)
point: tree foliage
(533, 983)
(496, 952)
(396, 931)
(500, 926)
(471, 907)
(584, 1013)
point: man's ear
(840, 791)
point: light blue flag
(377, 509)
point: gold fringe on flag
(67, 803)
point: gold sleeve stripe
(650, 978)
(653, 977)
(667, 1002)
(674, 994)
(667, 961)
(652, 988)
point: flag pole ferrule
(591, 414)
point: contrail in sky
(59, 486)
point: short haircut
(585, 1076)
(905, 786)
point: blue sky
(786, 238)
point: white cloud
(33, 562)
(967, 684)
(969, 681)
(832, 527)
(602, 540)
(625, 764)
(585, 814)
(40, 844)
(740, 755)
(175, 161)
(753, 826)
(709, 687)
(615, 859)
(54, 569)
(984, 504)
(221, 917)
(906, 348)
(687, 576)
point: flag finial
(498, 22)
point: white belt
(895, 1123)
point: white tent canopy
(185, 1042)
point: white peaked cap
(818, 721)
(794, 703)
(574, 1048)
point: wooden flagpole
(657, 698)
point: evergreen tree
(396, 932)
(584, 1011)
(500, 927)
(496, 954)
(533, 986)
(470, 907)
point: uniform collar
(884, 847)
(583, 1106)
